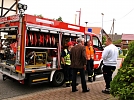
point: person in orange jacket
(90, 60)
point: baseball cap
(69, 44)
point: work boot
(94, 77)
(90, 79)
(67, 84)
(106, 91)
(86, 90)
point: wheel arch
(51, 75)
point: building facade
(8, 7)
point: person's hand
(84, 67)
(64, 63)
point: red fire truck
(31, 48)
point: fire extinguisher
(50, 41)
(27, 41)
(53, 40)
(31, 39)
(42, 39)
(47, 40)
(35, 39)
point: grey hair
(79, 40)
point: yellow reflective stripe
(67, 82)
(93, 74)
(67, 58)
(41, 79)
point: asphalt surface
(9, 89)
(66, 94)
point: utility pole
(102, 28)
(113, 30)
(75, 19)
(79, 16)
(86, 26)
(86, 23)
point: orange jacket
(89, 52)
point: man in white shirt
(109, 56)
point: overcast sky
(121, 10)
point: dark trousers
(107, 74)
(90, 67)
(67, 73)
(83, 81)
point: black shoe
(86, 90)
(67, 85)
(90, 79)
(94, 77)
(106, 91)
(75, 90)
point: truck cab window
(87, 38)
(96, 43)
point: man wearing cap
(66, 62)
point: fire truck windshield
(97, 43)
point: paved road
(10, 89)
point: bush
(124, 52)
(123, 83)
(120, 52)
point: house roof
(95, 30)
(127, 37)
(115, 37)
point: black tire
(58, 79)
(99, 70)
(4, 77)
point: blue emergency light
(89, 30)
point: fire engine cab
(31, 48)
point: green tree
(103, 40)
(39, 15)
(59, 19)
(123, 83)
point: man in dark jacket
(78, 63)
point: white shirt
(110, 55)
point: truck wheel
(4, 77)
(58, 79)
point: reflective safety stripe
(67, 82)
(70, 81)
(91, 75)
(89, 52)
(67, 58)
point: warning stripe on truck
(41, 79)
